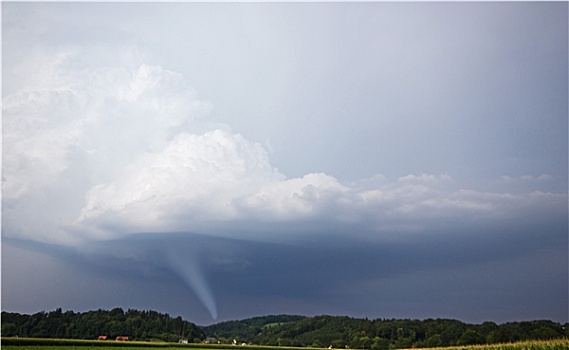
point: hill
(137, 325)
(283, 330)
(248, 329)
(343, 332)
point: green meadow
(69, 344)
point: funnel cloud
(192, 275)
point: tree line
(379, 334)
(137, 325)
(283, 330)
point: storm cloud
(376, 160)
(496, 270)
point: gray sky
(222, 161)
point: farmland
(557, 344)
(69, 344)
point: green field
(69, 344)
(51, 347)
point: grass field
(69, 344)
(49, 347)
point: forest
(346, 332)
(137, 325)
(280, 330)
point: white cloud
(195, 177)
(295, 198)
(128, 149)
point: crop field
(71, 344)
(558, 344)
(68, 344)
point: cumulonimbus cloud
(130, 149)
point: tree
(471, 337)
(487, 327)
(404, 343)
(9, 330)
(434, 341)
(363, 343)
(380, 344)
(544, 333)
